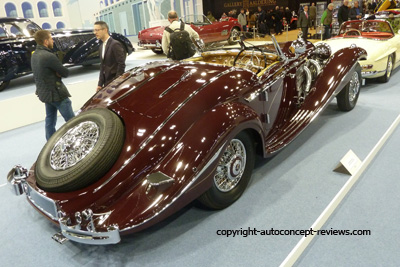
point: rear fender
(185, 172)
(125, 41)
(386, 54)
(198, 151)
(88, 53)
(82, 52)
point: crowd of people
(274, 20)
(265, 21)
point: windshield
(377, 26)
(198, 20)
(20, 29)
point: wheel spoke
(231, 166)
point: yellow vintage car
(380, 41)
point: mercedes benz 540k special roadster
(170, 132)
(73, 47)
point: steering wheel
(252, 61)
(352, 32)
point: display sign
(227, 5)
(349, 164)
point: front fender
(337, 71)
(88, 53)
(8, 63)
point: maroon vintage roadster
(170, 132)
(227, 30)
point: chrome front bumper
(149, 45)
(83, 231)
(372, 74)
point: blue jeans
(65, 108)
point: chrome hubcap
(234, 35)
(74, 145)
(354, 86)
(231, 166)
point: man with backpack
(177, 38)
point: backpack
(181, 45)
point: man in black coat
(261, 21)
(343, 12)
(47, 72)
(356, 12)
(278, 17)
(112, 54)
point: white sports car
(378, 39)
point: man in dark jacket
(261, 21)
(313, 16)
(304, 22)
(278, 17)
(47, 72)
(343, 12)
(356, 12)
(112, 54)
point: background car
(227, 30)
(73, 47)
(169, 132)
(378, 39)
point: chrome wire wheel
(234, 36)
(231, 166)
(74, 145)
(354, 87)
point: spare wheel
(81, 152)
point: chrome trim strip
(214, 157)
(181, 79)
(365, 74)
(144, 144)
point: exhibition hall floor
(287, 192)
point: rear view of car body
(178, 119)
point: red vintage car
(227, 30)
(169, 132)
